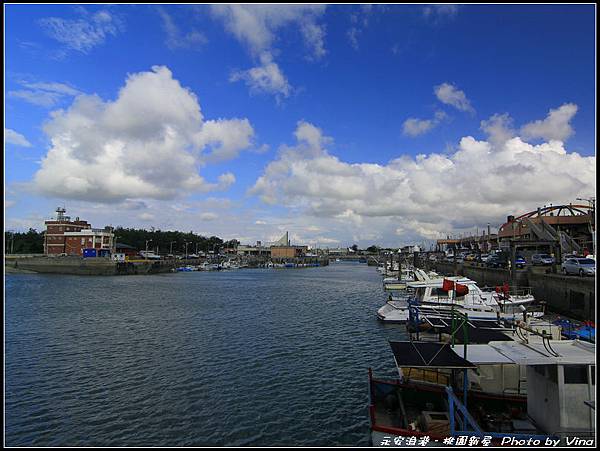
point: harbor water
(250, 357)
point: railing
(468, 426)
(513, 291)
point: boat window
(593, 373)
(438, 292)
(576, 374)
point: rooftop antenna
(60, 213)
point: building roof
(567, 352)
(418, 354)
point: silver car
(581, 266)
(542, 259)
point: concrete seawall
(99, 266)
(84, 266)
(568, 295)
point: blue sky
(342, 124)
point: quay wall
(568, 295)
(97, 266)
(100, 266)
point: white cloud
(425, 196)
(440, 12)
(266, 78)
(415, 127)
(146, 217)
(175, 38)
(148, 143)
(451, 95)
(256, 27)
(85, 33)
(43, 94)
(359, 21)
(225, 138)
(12, 137)
(498, 128)
(208, 216)
(556, 126)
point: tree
(373, 249)
(354, 247)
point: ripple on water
(243, 358)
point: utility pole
(146, 253)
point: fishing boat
(435, 395)
(461, 293)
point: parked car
(520, 261)
(542, 259)
(581, 266)
(566, 257)
(497, 261)
(483, 258)
(470, 258)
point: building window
(83, 241)
(576, 374)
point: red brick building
(66, 237)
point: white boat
(228, 264)
(477, 303)
(407, 275)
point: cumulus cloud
(451, 95)
(498, 128)
(148, 143)
(256, 26)
(415, 127)
(12, 137)
(175, 37)
(556, 126)
(428, 195)
(84, 33)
